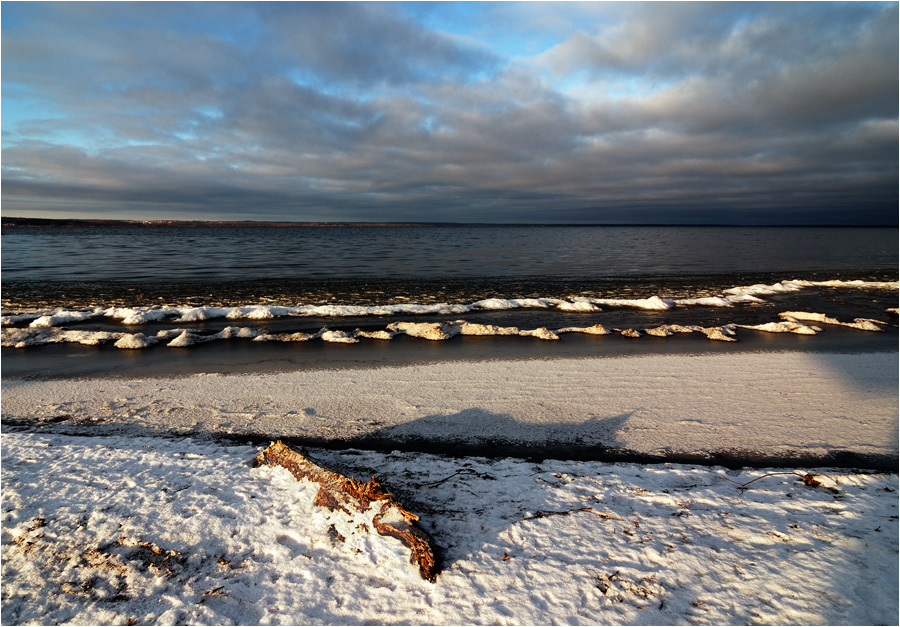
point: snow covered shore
(123, 502)
(122, 530)
(784, 404)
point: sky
(675, 113)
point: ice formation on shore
(792, 322)
(786, 326)
(135, 316)
(597, 329)
(864, 324)
(796, 322)
(135, 341)
(47, 326)
(725, 333)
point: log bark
(346, 494)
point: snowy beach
(132, 500)
(179, 531)
(514, 313)
(778, 405)
(682, 446)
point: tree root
(340, 493)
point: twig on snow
(464, 471)
(591, 510)
(809, 479)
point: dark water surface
(256, 253)
(141, 266)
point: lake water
(256, 253)
(251, 287)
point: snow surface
(119, 507)
(784, 403)
(138, 530)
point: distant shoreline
(91, 223)
(19, 222)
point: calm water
(259, 253)
(215, 266)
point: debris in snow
(352, 497)
(591, 510)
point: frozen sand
(81, 514)
(781, 405)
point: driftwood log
(340, 493)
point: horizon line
(25, 222)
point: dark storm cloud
(657, 113)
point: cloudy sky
(452, 112)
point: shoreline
(731, 459)
(750, 408)
(241, 357)
(37, 222)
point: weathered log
(346, 494)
